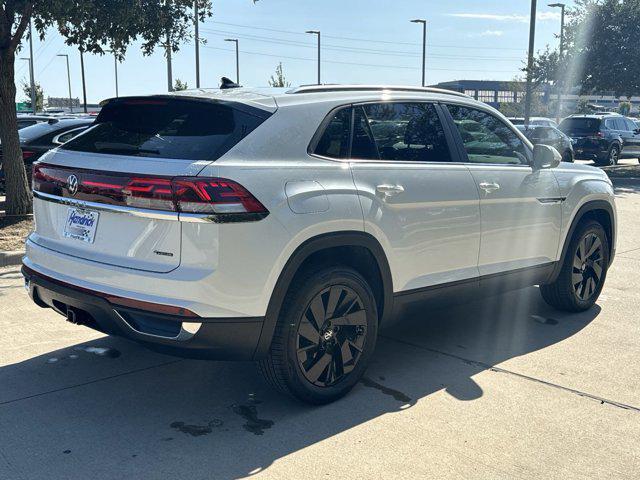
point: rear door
(520, 207)
(106, 195)
(420, 203)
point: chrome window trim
(57, 141)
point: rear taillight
(211, 196)
(151, 193)
(596, 136)
(26, 154)
(214, 195)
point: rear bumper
(191, 337)
(588, 150)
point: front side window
(334, 142)
(488, 139)
(399, 132)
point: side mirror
(545, 156)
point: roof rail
(354, 88)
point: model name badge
(165, 254)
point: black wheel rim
(331, 335)
(588, 266)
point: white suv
(285, 226)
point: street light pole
(32, 96)
(317, 32)
(68, 80)
(532, 40)
(197, 40)
(84, 85)
(562, 7)
(115, 64)
(235, 40)
(424, 46)
(31, 75)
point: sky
(363, 41)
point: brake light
(215, 196)
(26, 154)
(151, 193)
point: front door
(422, 207)
(520, 207)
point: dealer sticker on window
(81, 224)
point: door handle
(389, 191)
(489, 187)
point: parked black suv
(549, 136)
(602, 138)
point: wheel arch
(348, 248)
(599, 210)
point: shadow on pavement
(111, 409)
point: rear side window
(577, 126)
(168, 128)
(619, 124)
(406, 132)
(334, 142)
(630, 125)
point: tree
(279, 79)
(180, 85)
(602, 40)
(583, 106)
(26, 90)
(539, 106)
(93, 26)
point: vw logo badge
(72, 184)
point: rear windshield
(168, 128)
(579, 125)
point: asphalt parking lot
(503, 388)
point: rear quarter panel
(306, 197)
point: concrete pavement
(503, 388)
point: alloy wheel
(613, 156)
(587, 266)
(331, 335)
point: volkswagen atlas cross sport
(284, 226)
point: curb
(11, 258)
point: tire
(613, 156)
(578, 285)
(308, 363)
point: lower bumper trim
(214, 339)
